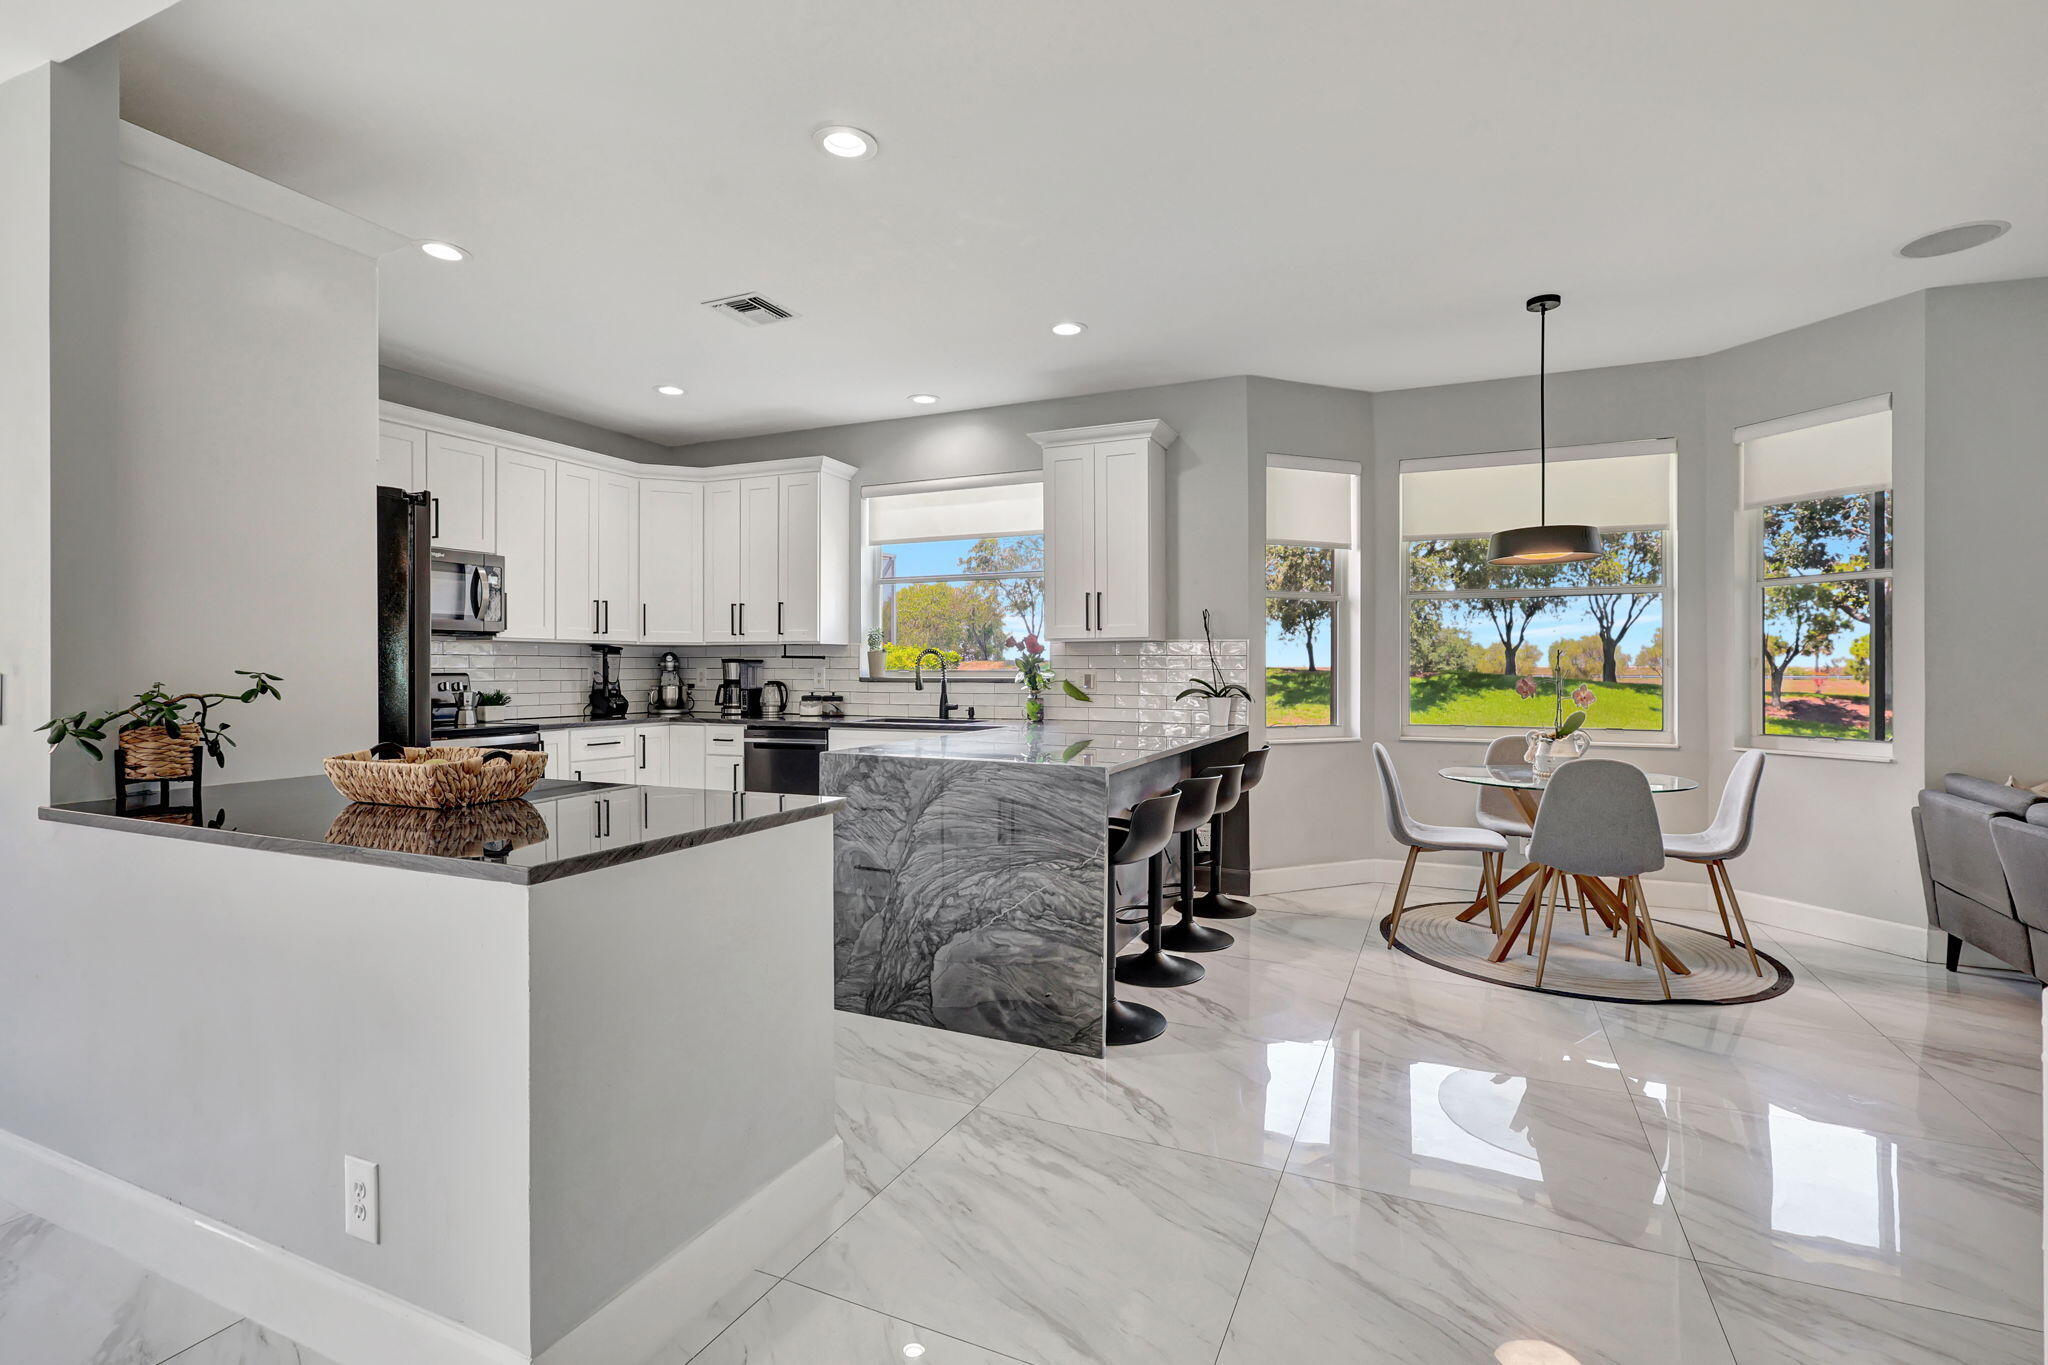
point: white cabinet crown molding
(519, 440)
(1153, 429)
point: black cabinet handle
(596, 820)
(778, 618)
(437, 517)
(602, 743)
(1084, 613)
(1098, 611)
(743, 619)
(643, 752)
(643, 619)
(593, 616)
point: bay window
(1311, 535)
(1476, 630)
(956, 565)
(1817, 493)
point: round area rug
(1591, 967)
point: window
(1817, 488)
(1476, 630)
(957, 566)
(1310, 535)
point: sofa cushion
(2022, 848)
(2011, 800)
(2037, 814)
(1957, 832)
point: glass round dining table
(1523, 782)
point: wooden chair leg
(1521, 874)
(1650, 934)
(1721, 904)
(1512, 930)
(1549, 919)
(1489, 871)
(1736, 906)
(1401, 895)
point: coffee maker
(671, 696)
(739, 688)
(607, 701)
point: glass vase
(1034, 709)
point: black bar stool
(1214, 904)
(1184, 935)
(1155, 966)
(1147, 833)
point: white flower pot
(1220, 709)
(1546, 755)
(878, 662)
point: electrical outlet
(359, 1211)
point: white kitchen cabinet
(555, 743)
(724, 757)
(671, 562)
(1105, 531)
(686, 755)
(650, 755)
(462, 477)
(760, 556)
(596, 544)
(526, 539)
(722, 539)
(814, 535)
(618, 769)
(401, 457)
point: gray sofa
(1984, 869)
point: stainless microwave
(467, 591)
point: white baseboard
(321, 1309)
(356, 1324)
(1844, 926)
(644, 1315)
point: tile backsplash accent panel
(1132, 682)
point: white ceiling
(36, 31)
(1333, 191)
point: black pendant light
(1543, 543)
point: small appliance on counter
(772, 700)
(831, 705)
(739, 688)
(811, 704)
(671, 695)
(607, 701)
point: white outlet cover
(359, 1206)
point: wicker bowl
(443, 833)
(437, 779)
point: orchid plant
(1581, 697)
(1035, 675)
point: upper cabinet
(598, 551)
(462, 478)
(1105, 531)
(777, 557)
(671, 562)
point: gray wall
(1987, 514)
(450, 400)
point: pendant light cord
(1542, 414)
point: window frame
(1342, 575)
(1666, 588)
(875, 587)
(1868, 750)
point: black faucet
(946, 705)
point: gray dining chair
(1598, 819)
(1419, 837)
(1727, 837)
(1497, 809)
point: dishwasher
(783, 758)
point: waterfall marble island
(970, 871)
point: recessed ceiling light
(924, 398)
(850, 144)
(914, 1349)
(668, 390)
(1961, 237)
(1069, 329)
(444, 251)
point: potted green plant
(1547, 750)
(1219, 696)
(159, 738)
(878, 656)
(488, 698)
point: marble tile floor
(1340, 1154)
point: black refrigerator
(405, 615)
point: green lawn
(1297, 696)
(1489, 699)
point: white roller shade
(958, 513)
(1310, 506)
(1626, 484)
(1818, 455)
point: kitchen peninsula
(970, 871)
(585, 1037)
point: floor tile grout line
(1329, 1059)
(920, 1326)
(737, 1318)
(186, 1350)
(1874, 1298)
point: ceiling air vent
(751, 309)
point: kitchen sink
(921, 723)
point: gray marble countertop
(1108, 745)
(713, 718)
(558, 830)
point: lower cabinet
(651, 755)
(724, 757)
(686, 755)
(618, 769)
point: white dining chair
(1727, 837)
(1419, 837)
(1598, 819)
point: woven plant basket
(148, 754)
(436, 779)
(458, 833)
